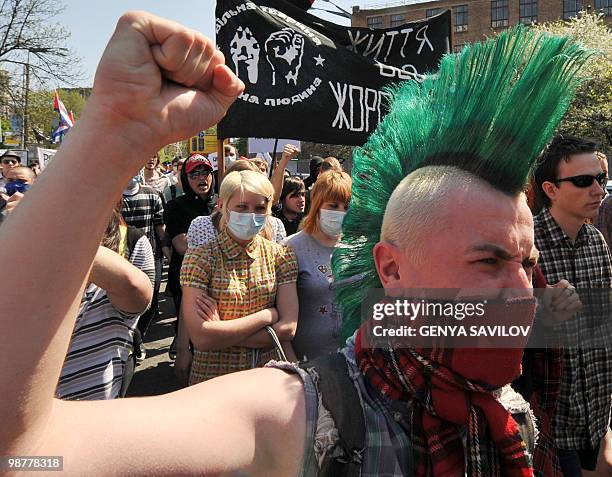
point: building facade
(475, 19)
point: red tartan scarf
(452, 389)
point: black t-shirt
(178, 215)
(291, 226)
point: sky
(92, 23)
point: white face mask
(330, 221)
(245, 226)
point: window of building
(398, 19)
(604, 6)
(375, 22)
(431, 12)
(571, 8)
(499, 13)
(528, 11)
(461, 18)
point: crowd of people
(267, 270)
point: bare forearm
(160, 229)
(278, 178)
(224, 333)
(40, 327)
(164, 240)
(285, 330)
(260, 339)
(288, 310)
(127, 288)
(180, 243)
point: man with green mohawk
(455, 150)
(449, 163)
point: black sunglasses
(9, 161)
(197, 174)
(586, 180)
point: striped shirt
(144, 210)
(101, 340)
(583, 409)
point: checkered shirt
(144, 210)
(241, 280)
(583, 409)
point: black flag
(313, 80)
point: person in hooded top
(199, 199)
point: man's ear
(387, 259)
(550, 189)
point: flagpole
(273, 161)
(220, 162)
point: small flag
(66, 119)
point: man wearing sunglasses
(571, 184)
(8, 160)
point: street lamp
(26, 80)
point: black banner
(313, 80)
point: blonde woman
(319, 322)
(205, 228)
(237, 284)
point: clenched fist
(159, 82)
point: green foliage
(489, 111)
(590, 114)
(170, 151)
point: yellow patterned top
(242, 280)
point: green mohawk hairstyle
(489, 110)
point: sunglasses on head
(198, 174)
(586, 180)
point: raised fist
(284, 51)
(159, 82)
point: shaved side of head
(418, 206)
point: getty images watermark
(437, 311)
(487, 318)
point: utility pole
(24, 116)
(25, 108)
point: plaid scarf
(452, 388)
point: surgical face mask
(330, 221)
(245, 226)
(16, 185)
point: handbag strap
(277, 344)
